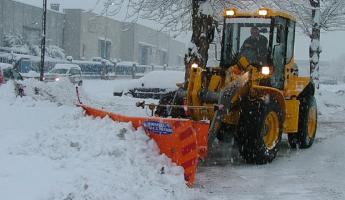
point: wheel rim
(312, 122)
(270, 131)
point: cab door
(278, 52)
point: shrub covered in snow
(13, 39)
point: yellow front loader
(251, 96)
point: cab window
(290, 41)
(278, 52)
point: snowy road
(316, 173)
(56, 148)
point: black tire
(307, 124)
(170, 99)
(260, 130)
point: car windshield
(248, 37)
(59, 71)
(7, 73)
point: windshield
(8, 74)
(59, 71)
(248, 37)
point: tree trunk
(203, 34)
(314, 49)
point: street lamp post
(105, 33)
(43, 42)
(105, 51)
(107, 5)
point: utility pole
(43, 41)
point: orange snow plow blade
(183, 141)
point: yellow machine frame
(287, 97)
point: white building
(84, 35)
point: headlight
(195, 66)
(263, 12)
(265, 70)
(230, 12)
(44, 78)
(57, 79)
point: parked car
(154, 85)
(7, 72)
(72, 72)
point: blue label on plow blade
(158, 127)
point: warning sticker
(158, 127)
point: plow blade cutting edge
(183, 141)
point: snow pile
(60, 92)
(7, 92)
(50, 151)
(330, 101)
(106, 161)
(206, 8)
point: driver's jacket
(257, 46)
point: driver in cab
(254, 48)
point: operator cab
(264, 38)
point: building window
(104, 48)
(84, 49)
(32, 35)
(162, 57)
(145, 54)
(180, 60)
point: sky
(332, 43)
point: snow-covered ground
(50, 150)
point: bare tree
(176, 16)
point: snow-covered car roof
(126, 63)
(66, 66)
(31, 74)
(161, 79)
(5, 65)
(154, 79)
(97, 59)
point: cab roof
(255, 13)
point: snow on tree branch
(332, 12)
(172, 15)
